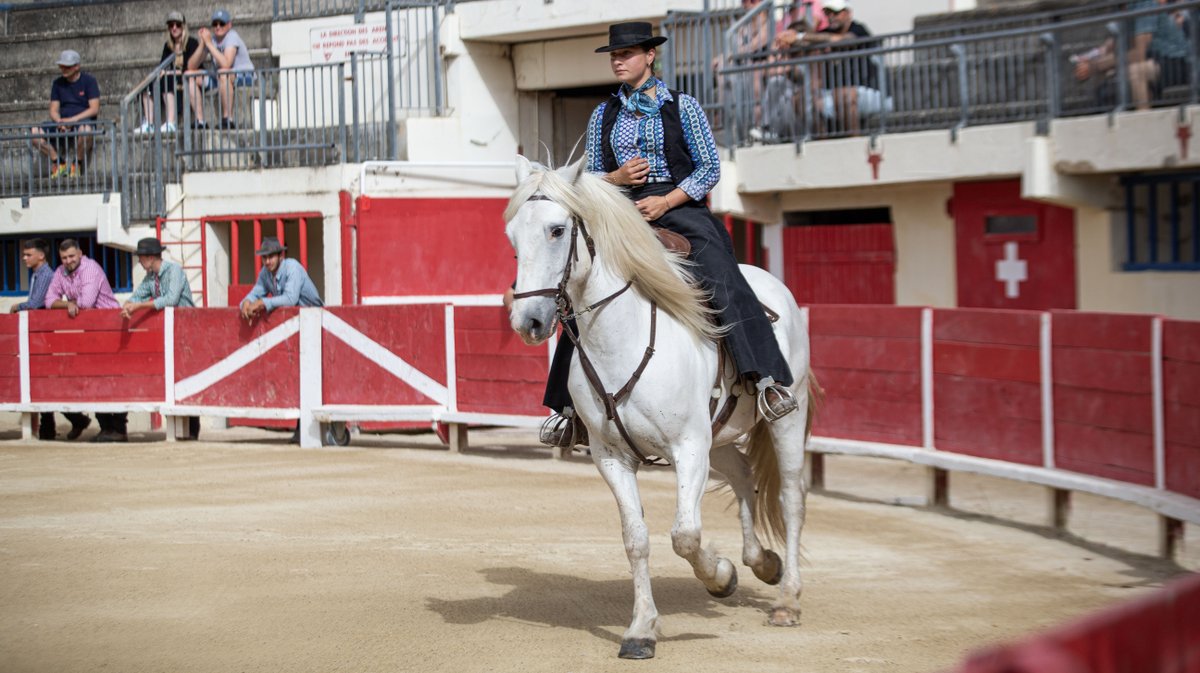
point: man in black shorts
(74, 101)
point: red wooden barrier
(840, 264)
(10, 359)
(1103, 407)
(98, 356)
(1181, 402)
(1154, 634)
(496, 372)
(205, 338)
(413, 333)
(987, 384)
(868, 360)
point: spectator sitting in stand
(35, 252)
(74, 101)
(1157, 57)
(231, 59)
(164, 285)
(186, 57)
(80, 283)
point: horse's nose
(534, 327)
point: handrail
(1030, 54)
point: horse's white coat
(667, 412)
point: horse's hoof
(729, 588)
(783, 617)
(637, 648)
(772, 568)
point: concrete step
(129, 14)
(26, 92)
(106, 43)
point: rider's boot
(774, 401)
(563, 430)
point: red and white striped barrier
(1108, 404)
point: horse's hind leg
(691, 472)
(732, 464)
(620, 473)
(788, 436)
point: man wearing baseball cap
(74, 101)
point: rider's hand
(633, 172)
(653, 207)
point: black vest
(679, 158)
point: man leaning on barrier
(35, 252)
(74, 100)
(164, 284)
(80, 283)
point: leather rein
(564, 311)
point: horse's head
(543, 234)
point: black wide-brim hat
(149, 246)
(631, 34)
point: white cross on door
(1011, 271)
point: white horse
(579, 241)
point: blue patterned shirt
(290, 286)
(168, 287)
(37, 289)
(633, 136)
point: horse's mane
(626, 243)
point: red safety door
(840, 263)
(1012, 253)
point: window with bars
(1162, 219)
(14, 277)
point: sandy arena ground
(242, 553)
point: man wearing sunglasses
(230, 59)
(74, 101)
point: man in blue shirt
(35, 252)
(282, 282)
(74, 100)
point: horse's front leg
(691, 472)
(620, 473)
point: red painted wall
(868, 361)
(1103, 409)
(463, 249)
(415, 334)
(1181, 401)
(987, 384)
(10, 359)
(497, 372)
(96, 356)
(205, 337)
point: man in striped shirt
(35, 252)
(80, 283)
(164, 285)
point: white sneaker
(144, 128)
(168, 128)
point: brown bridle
(564, 313)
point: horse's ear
(575, 170)
(524, 169)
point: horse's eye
(557, 232)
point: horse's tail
(764, 464)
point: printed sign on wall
(333, 44)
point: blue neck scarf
(639, 100)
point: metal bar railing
(863, 87)
(74, 158)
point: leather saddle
(672, 241)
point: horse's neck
(618, 326)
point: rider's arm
(702, 148)
(594, 147)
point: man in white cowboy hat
(74, 100)
(282, 282)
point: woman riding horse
(657, 142)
